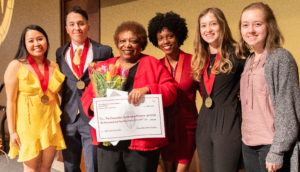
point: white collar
(75, 46)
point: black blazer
(70, 94)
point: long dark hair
(22, 52)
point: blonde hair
(226, 42)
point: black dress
(218, 133)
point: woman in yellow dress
(33, 113)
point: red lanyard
(178, 69)
(43, 80)
(79, 69)
(209, 82)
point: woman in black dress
(218, 66)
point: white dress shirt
(89, 57)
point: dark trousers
(218, 152)
(127, 160)
(78, 136)
(255, 158)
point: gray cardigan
(281, 74)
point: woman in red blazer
(146, 76)
(168, 32)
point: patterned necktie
(77, 57)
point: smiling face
(36, 43)
(167, 42)
(210, 29)
(254, 28)
(77, 27)
(129, 46)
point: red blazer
(152, 74)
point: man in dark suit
(73, 59)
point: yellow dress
(37, 124)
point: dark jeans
(255, 158)
(127, 160)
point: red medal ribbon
(209, 82)
(44, 80)
(79, 70)
(178, 69)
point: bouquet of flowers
(105, 76)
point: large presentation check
(119, 120)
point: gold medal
(44, 99)
(208, 102)
(80, 85)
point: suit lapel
(96, 52)
(96, 55)
(64, 65)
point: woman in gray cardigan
(270, 95)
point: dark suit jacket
(70, 94)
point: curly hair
(172, 22)
(134, 27)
